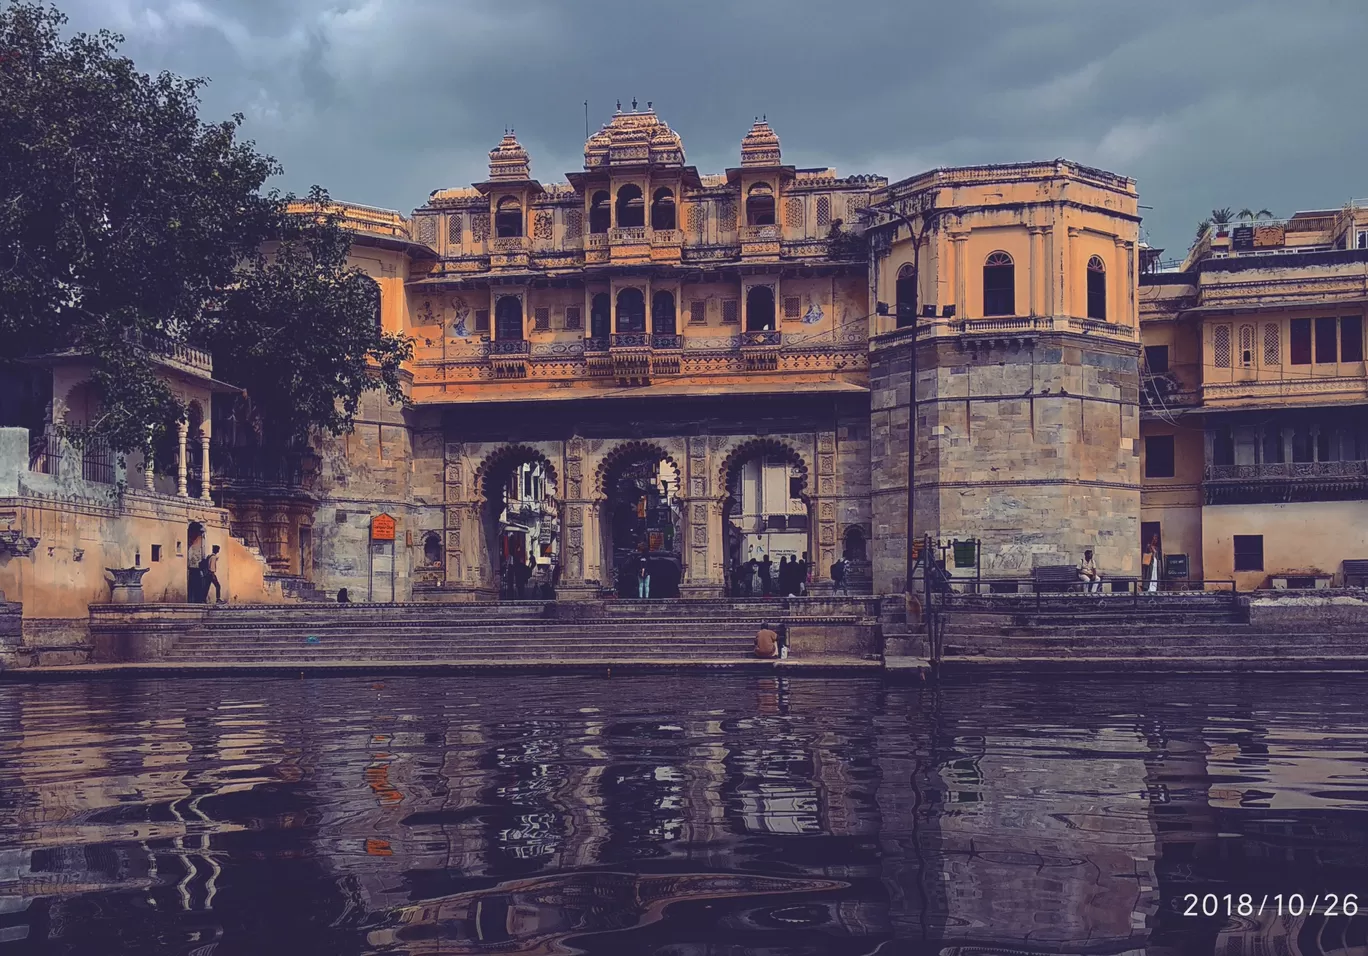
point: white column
(960, 240)
(182, 434)
(148, 468)
(204, 466)
(1038, 271)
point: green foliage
(1222, 216)
(126, 221)
(1252, 215)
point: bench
(1056, 577)
(1356, 572)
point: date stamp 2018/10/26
(1273, 904)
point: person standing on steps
(838, 577)
(785, 576)
(1150, 562)
(766, 576)
(804, 572)
(209, 571)
(753, 569)
(643, 578)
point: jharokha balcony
(1286, 481)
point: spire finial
(619, 106)
(634, 104)
(650, 105)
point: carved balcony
(760, 242)
(666, 351)
(509, 252)
(631, 353)
(760, 349)
(509, 357)
(1286, 481)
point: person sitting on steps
(766, 642)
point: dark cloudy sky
(1204, 102)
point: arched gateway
(519, 519)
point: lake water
(701, 813)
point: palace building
(703, 369)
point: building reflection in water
(696, 814)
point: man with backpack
(209, 575)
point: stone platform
(523, 633)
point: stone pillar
(1066, 275)
(149, 468)
(704, 548)
(277, 537)
(595, 567)
(204, 466)
(182, 434)
(960, 239)
(1039, 274)
(824, 509)
(1120, 307)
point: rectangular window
(1303, 444)
(481, 321)
(731, 311)
(792, 306)
(1326, 341)
(1249, 552)
(572, 318)
(1273, 445)
(1157, 359)
(698, 312)
(1271, 339)
(156, 552)
(1351, 338)
(541, 319)
(1159, 456)
(1300, 342)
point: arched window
(760, 309)
(663, 209)
(631, 311)
(663, 313)
(601, 316)
(371, 290)
(508, 318)
(600, 212)
(631, 207)
(432, 549)
(508, 222)
(1246, 346)
(760, 205)
(999, 285)
(1097, 289)
(907, 296)
(853, 547)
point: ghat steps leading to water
(1168, 631)
(526, 632)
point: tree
(300, 331)
(1222, 216)
(1251, 215)
(127, 223)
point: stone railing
(627, 235)
(179, 353)
(1288, 470)
(760, 233)
(667, 237)
(765, 338)
(631, 340)
(596, 343)
(510, 347)
(664, 341)
(509, 244)
(596, 240)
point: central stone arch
(638, 489)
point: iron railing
(1288, 470)
(631, 340)
(45, 454)
(510, 347)
(761, 338)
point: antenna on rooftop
(586, 119)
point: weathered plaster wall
(1298, 536)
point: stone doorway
(521, 523)
(766, 512)
(643, 520)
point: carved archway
(628, 451)
(531, 533)
(740, 540)
(638, 488)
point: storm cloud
(1246, 103)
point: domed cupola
(760, 146)
(509, 162)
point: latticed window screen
(726, 215)
(454, 229)
(698, 312)
(543, 226)
(793, 213)
(1246, 346)
(1220, 346)
(482, 321)
(427, 229)
(1271, 340)
(574, 224)
(541, 318)
(731, 311)
(792, 306)
(698, 218)
(479, 228)
(823, 210)
(572, 318)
